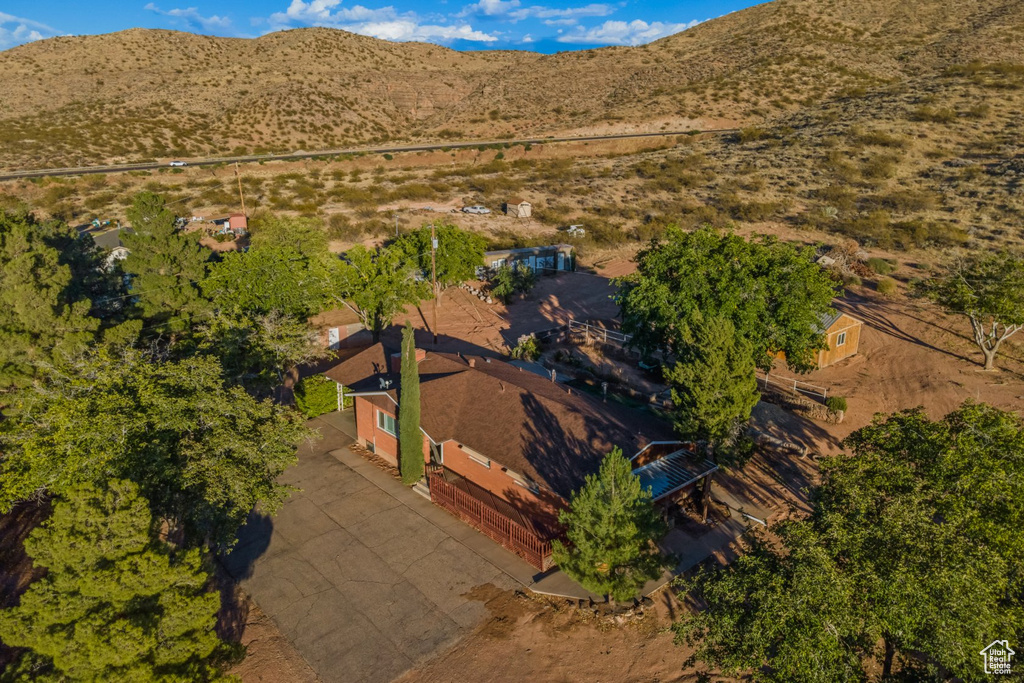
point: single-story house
(340, 328)
(236, 224)
(505, 448)
(518, 208)
(110, 242)
(842, 335)
(549, 259)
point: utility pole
(396, 224)
(433, 275)
(240, 197)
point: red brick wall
(384, 444)
(498, 482)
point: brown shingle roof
(525, 422)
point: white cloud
(18, 30)
(191, 17)
(384, 22)
(318, 13)
(636, 32)
(403, 30)
(513, 10)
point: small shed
(340, 328)
(518, 208)
(238, 223)
(842, 337)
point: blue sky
(541, 25)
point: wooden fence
(483, 517)
(793, 385)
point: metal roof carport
(676, 471)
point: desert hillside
(143, 94)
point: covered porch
(675, 476)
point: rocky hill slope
(143, 94)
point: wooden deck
(482, 513)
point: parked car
(475, 209)
(178, 163)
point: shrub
(316, 395)
(527, 348)
(836, 403)
(886, 286)
(879, 266)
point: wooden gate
(483, 517)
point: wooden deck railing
(483, 517)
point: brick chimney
(396, 360)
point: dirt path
(531, 639)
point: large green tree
(203, 452)
(377, 284)
(713, 386)
(44, 315)
(611, 528)
(457, 257)
(773, 292)
(988, 290)
(268, 278)
(116, 603)
(410, 438)
(166, 265)
(256, 350)
(910, 562)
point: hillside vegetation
(142, 94)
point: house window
(498, 263)
(386, 423)
(841, 339)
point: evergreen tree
(116, 603)
(203, 452)
(611, 529)
(42, 320)
(165, 264)
(713, 386)
(410, 438)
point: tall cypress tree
(116, 603)
(611, 526)
(410, 439)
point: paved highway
(121, 168)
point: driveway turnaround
(365, 577)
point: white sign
(998, 656)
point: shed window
(841, 339)
(386, 423)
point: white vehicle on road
(475, 209)
(178, 163)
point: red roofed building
(505, 447)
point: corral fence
(789, 384)
(500, 528)
(597, 333)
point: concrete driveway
(365, 577)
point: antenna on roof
(385, 383)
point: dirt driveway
(364, 584)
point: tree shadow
(17, 570)
(253, 540)
(876, 315)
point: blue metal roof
(673, 472)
